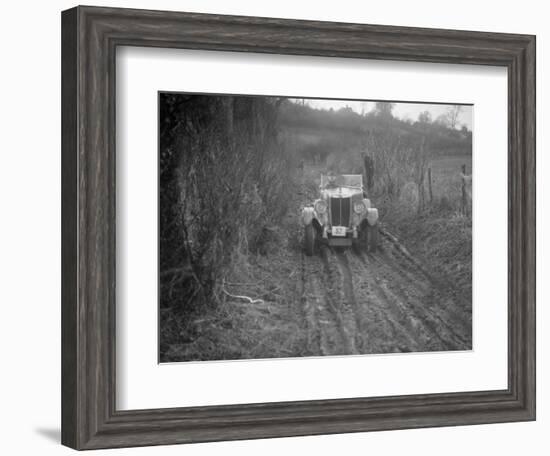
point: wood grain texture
(69, 229)
(89, 39)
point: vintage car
(342, 216)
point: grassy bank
(441, 235)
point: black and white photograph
(297, 227)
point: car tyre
(309, 240)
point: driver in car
(332, 180)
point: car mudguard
(308, 214)
(372, 216)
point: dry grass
(258, 315)
(440, 236)
(447, 181)
(444, 245)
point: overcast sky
(401, 110)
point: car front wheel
(309, 240)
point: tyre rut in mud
(378, 302)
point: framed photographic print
(280, 228)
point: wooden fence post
(464, 200)
(430, 185)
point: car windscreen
(342, 180)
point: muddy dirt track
(379, 302)
(337, 302)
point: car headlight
(320, 207)
(359, 208)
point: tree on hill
(425, 117)
(384, 109)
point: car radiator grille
(340, 211)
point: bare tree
(452, 115)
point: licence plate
(338, 230)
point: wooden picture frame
(90, 36)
